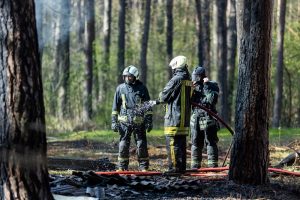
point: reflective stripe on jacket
(176, 95)
(127, 98)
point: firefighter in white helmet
(176, 96)
(126, 120)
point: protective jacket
(176, 95)
(126, 110)
(203, 126)
(127, 99)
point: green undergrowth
(156, 137)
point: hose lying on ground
(197, 172)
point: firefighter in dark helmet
(176, 95)
(204, 127)
(127, 120)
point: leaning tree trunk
(250, 154)
(63, 59)
(279, 70)
(222, 57)
(169, 36)
(23, 168)
(144, 43)
(89, 62)
(121, 40)
(231, 57)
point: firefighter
(176, 96)
(204, 127)
(128, 120)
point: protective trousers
(139, 134)
(198, 137)
(176, 150)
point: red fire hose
(198, 172)
(214, 115)
(284, 172)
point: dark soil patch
(280, 187)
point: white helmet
(178, 62)
(131, 70)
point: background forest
(86, 44)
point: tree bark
(231, 57)
(199, 31)
(106, 52)
(169, 36)
(222, 57)
(63, 58)
(279, 69)
(89, 62)
(23, 169)
(205, 18)
(121, 39)
(250, 154)
(144, 43)
(39, 7)
(80, 21)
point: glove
(148, 123)
(148, 127)
(114, 123)
(115, 126)
(154, 102)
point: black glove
(114, 123)
(148, 123)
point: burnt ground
(159, 187)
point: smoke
(53, 19)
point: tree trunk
(55, 76)
(121, 40)
(144, 43)
(105, 64)
(231, 57)
(23, 172)
(169, 36)
(63, 58)
(288, 118)
(222, 57)
(89, 62)
(205, 17)
(199, 30)
(279, 69)
(80, 21)
(39, 24)
(250, 154)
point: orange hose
(282, 171)
(209, 169)
(206, 175)
(196, 172)
(137, 173)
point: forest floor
(280, 186)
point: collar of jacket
(182, 71)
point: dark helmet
(198, 74)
